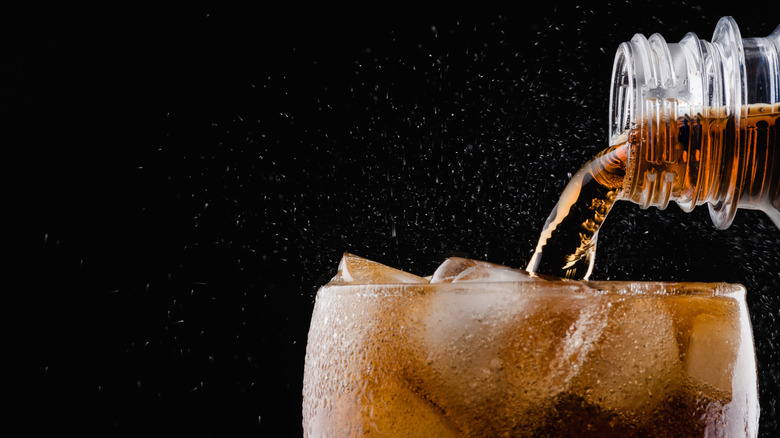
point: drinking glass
(529, 357)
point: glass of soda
(479, 349)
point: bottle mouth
(622, 94)
(623, 112)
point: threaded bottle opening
(683, 108)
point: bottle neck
(700, 120)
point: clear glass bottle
(700, 120)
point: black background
(190, 177)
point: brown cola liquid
(567, 244)
(690, 160)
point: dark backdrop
(191, 176)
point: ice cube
(493, 358)
(712, 350)
(485, 273)
(708, 336)
(358, 270)
(549, 342)
(457, 269)
(635, 365)
(716, 346)
(450, 268)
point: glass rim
(626, 288)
